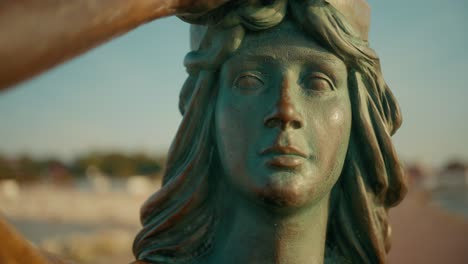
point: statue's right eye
(248, 82)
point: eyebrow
(319, 60)
(235, 58)
(316, 55)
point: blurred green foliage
(119, 165)
(112, 164)
(23, 169)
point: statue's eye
(248, 82)
(318, 82)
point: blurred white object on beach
(140, 185)
(9, 189)
(99, 181)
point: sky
(124, 95)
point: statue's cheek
(336, 117)
(338, 114)
(334, 131)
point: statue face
(283, 118)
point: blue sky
(123, 95)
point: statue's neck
(249, 233)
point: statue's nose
(285, 114)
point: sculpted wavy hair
(180, 219)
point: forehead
(282, 43)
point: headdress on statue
(356, 13)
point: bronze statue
(284, 154)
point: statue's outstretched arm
(17, 250)
(36, 35)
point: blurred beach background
(82, 146)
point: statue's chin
(280, 189)
(287, 191)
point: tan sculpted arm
(36, 35)
(15, 249)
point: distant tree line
(113, 164)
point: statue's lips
(285, 161)
(284, 157)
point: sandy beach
(85, 226)
(99, 228)
(425, 233)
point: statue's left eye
(318, 82)
(248, 83)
